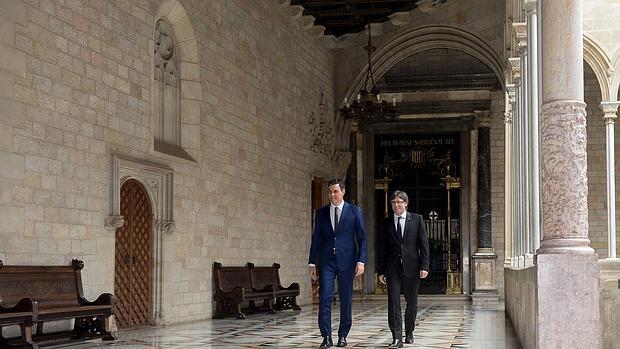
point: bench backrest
(227, 278)
(263, 276)
(48, 285)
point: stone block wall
(75, 87)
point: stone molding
(597, 59)
(564, 180)
(157, 181)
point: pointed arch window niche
(167, 93)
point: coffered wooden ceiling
(340, 17)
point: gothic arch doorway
(133, 268)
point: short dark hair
(401, 195)
(336, 181)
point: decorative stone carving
(564, 164)
(530, 7)
(165, 66)
(483, 118)
(114, 222)
(166, 227)
(341, 160)
(610, 110)
(515, 69)
(520, 32)
(321, 130)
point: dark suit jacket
(412, 248)
(349, 239)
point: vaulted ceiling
(340, 17)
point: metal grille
(133, 258)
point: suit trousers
(328, 272)
(397, 282)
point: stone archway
(410, 43)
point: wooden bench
(23, 314)
(286, 297)
(37, 294)
(233, 286)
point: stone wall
(75, 87)
(521, 304)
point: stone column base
(568, 301)
(609, 281)
(485, 286)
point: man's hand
(359, 269)
(423, 274)
(382, 279)
(312, 272)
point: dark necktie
(336, 217)
(399, 230)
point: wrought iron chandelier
(368, 107)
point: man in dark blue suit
(338, 251)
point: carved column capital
(515, 69)
(520, 31)
(530, 7)
(610, 110)
(483, 118)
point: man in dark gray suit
(402, 260)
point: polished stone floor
(441, 323)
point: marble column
(610, 109)
(526, 255)
(567, 267)
(508, 177)
(517, 212)
(534, 156)
(484, 258)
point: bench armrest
(293, 286)
(24, 305)
(103, 299)
(267, 288)
(235, 293)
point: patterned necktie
(336, 217)
(399, 230)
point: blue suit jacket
(349, 238)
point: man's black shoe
(409, 338)
(396, 343)
(327, 342)
(342, 342)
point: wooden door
(134, 258)
(317, 202)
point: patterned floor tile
(443, 325)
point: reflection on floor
(441, 323)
